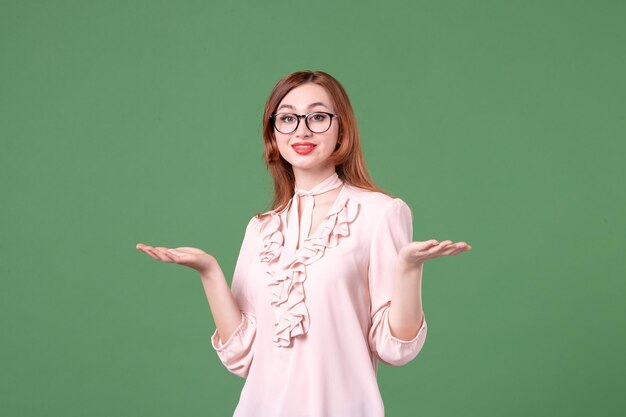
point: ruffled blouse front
(286, 275)
(315, 320)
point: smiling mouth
(303, 149)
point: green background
(501, 123)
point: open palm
(415, 253)
(192, 257)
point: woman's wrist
(409, 267)
(210, 272)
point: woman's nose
(302, 129)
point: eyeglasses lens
(288, 122)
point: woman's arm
(232, 308)
(224, 308)
(389, 290)
(405, 312)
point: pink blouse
(315, 321)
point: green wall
(501, 123)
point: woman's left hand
(415, 253)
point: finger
(163, 254)
(427, 244)
(458, 248)
(168, 253)
(154, 251)
(452, 250)
(150, 253)
(435, 248)
(178, 255)
(442, 249)
(463, 246)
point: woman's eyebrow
(317, 103)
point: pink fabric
(315, 319)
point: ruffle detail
(286, 276)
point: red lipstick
(303, 148)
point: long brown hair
(347, 157)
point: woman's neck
(305, 180)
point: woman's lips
(303, 149)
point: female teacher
(327, 282)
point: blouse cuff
(244, 327)
(238, 351)
(396, 352)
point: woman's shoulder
(262, 220)
(375, 205)
(375, 200)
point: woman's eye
(319, 117)
(287, 119)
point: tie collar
(330, 183)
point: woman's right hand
(191, 257)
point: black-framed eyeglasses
(316, 122)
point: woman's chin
(309, 167)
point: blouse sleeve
(394, 230)
(237, 352)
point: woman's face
(305, 99)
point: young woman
(328, 282)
